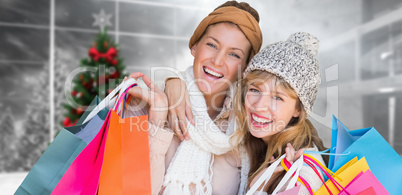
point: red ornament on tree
(109, 55)
(114, 75)
(79, 111)
(105, 44)
(67, 122)
(74, 93)
(88, 85)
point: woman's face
(269, 109)
(219, 57)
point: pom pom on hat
(307, 41)
(295, 61)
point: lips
(260, 121)
(212, 73)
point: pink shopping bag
(82, 177)
(292, 191)
(363, 181)
(368, 191)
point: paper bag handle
(269, 172)
(109, 100)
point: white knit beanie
(295, 61)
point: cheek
(285, 113)
(250, 101)
(280, 125)
(247, 102)
(196, 71)
(200, 55)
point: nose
(219, 58)
(264, 103)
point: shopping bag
(345, 175)
(368, 191)
(289, 179)
(82, 177)
(51, 166)
(353, 177)
(126, 164)
(363, 181)
(292, 191)
(382, 159)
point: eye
(254, 90)
(211, 45)
(278, 98)
(235, 55)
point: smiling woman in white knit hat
(274, 99)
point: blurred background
(42, 41)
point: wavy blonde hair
(299, 132)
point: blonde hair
(299, 132)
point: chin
(214, 89)
(258, 132)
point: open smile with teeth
(212, 73)
(259, 120)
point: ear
(296, 113)
(193, 49)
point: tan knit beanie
(244, 20)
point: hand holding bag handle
(292, 173)
(265, 176)
(270, 171)
(110, 100)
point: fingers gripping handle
(265, 176)
(110, 100)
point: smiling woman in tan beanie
(206, 162)
(243, 17)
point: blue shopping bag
(51, 166)
(384, 162)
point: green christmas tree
(103, 56)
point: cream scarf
(193, 160)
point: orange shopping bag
(126, 164)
